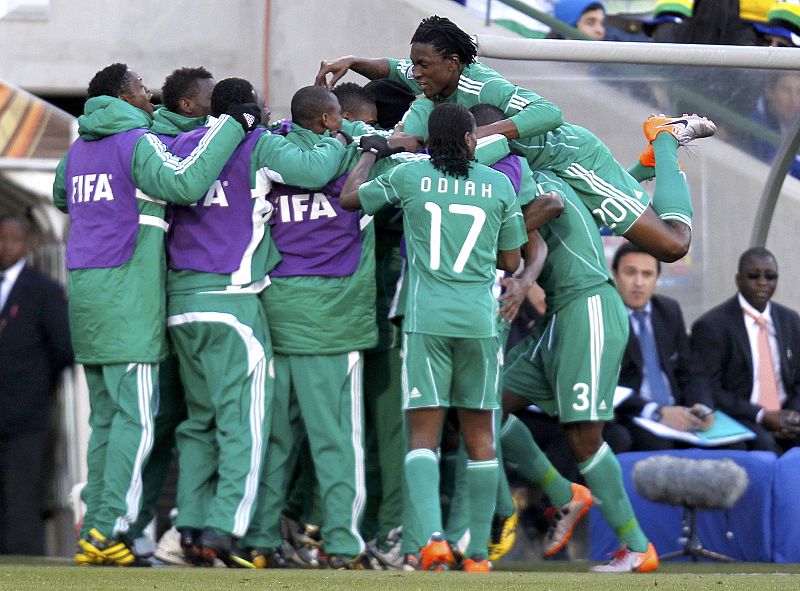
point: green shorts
(569, 366)
(450, 371)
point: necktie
(659, 390)
(767, 380)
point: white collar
(747, 309)
(10, 275)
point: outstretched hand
(338, 67)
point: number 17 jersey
(453, 230)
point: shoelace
(619, 555)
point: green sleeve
(547, 182)
(531, 114)
(161, 174)
(382, 191)
(492, 148)
(415, 120)
(355, 129)
(399, 71)
(289, 164)
(59, 186)
(527, 186)
(512, 230)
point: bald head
(316, 108)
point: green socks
(671, 200)
(504, 506)
(532, 464)
(482, 490)
(422, 475)
(604, 477)
(641, 172)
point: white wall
(366, 28)
(61, 53)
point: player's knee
(584, 439)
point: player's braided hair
(229, 92)
(447, 126)
(110, 81)
(446, 38)
(182, 83)
(351, 95)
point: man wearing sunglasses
(745, 351)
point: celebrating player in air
(443, 68)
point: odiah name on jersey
(444, 185)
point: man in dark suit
(34, 348)
(744, 352)
(656, 360)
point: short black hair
(447, 126)
(486, 114)
(392, 100)
(18, 220)
(351, 95)
(310, 102)
(110, 81)
(755, 252)
(628, 248)
(446, 38)
(182, 83)
(230, 92)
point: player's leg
(525, 383)
(133, 390)
(195, 439)
(235, 354)
(171, 410)
(329, 391)
(427, 377)
(264, 537)
(585, 370)
(477, 365)
(101, 413)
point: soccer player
(220, 252)
(443, 68)
(112, 183)
(186, 98)
(569, 368)
(357, 103)
(458, 215)
(321, 306)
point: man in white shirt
(34, 348)
(745, 352)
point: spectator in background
(782, 28)
(655, 364)
(745, 352)
(776, 110)
(667, 16)
(34, 348)
(586, 16)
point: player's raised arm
(369, 67)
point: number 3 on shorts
(582, 394)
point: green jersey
(578, 157)
(453, 228)
(575, 260)
(118, 314)
(530, 113)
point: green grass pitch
(23, 574)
